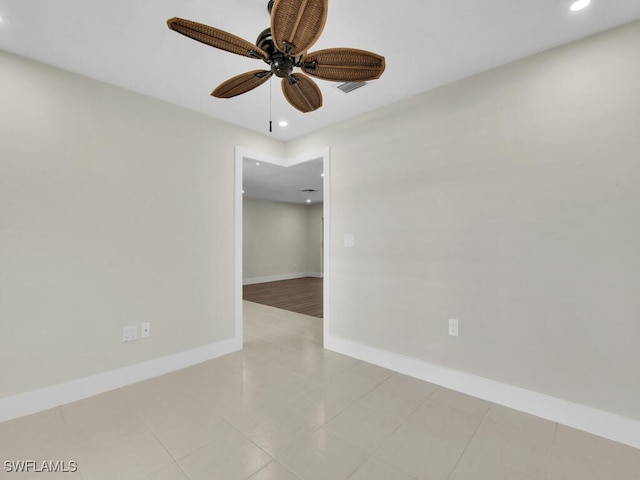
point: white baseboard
(277, 278)
(49, 397)
(598, 422)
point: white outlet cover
(130, 333)
(453, 327)
(145, 329)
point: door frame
(242, 153)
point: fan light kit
(295, 26)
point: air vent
(348, 87)
(308, 190)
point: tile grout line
(271, 463)
(273, 459)
(400, 425)
(150, 429)
(510, 467)
(464, 450)
(210, 443)
(176, 460)
(553, 452)
(72, 447)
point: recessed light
(308, 201)
(257, 164)
(579, 5)
(283, 123)
(242, 191)
(322, 174)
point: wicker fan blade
(297, 24)
(343, 65)
(216, 38)
(302, 93)
(241, 84)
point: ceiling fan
(295, 26)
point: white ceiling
(427, 43)
(284, 184)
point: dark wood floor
(301, 295)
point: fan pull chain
(270, 102)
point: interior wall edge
(42, 399)
(598, 422)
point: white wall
(280, 239)
(314, 238)
(114, 209)
(510, 201)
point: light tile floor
(286, 409)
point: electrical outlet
(453, 327)
(145, 329)
(129, 334)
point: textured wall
(510, 201)
(114, 209)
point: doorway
(245, 158)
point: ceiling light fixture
(283, 123)
(308, 201)
(579, 5)
(257, 164)
(322, 174)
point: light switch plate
(348, 239)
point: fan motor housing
(281, 63)
(265, 41)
